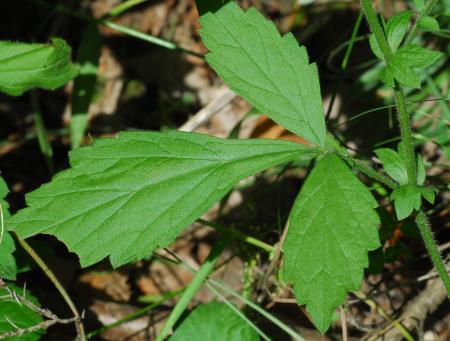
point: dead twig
(52, 319)
(425, 303)
(212, 108)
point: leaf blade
(272, 72)
(8, 265)
(393, 164)
(26, 66)
(214, 321)
(396, 28)
(155, 183)
(19, 314)
(325, 250)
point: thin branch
(40, 262)
(52, 319)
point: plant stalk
(406, 134)
(51, 276)
(199, 278)
(370, 172)
(408, 147)
(44, 144)
(433, 251)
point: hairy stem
(51, 276)
(408, 147)
(370, 172)
(406, 134)
(201, 275)
(430, 245)
(402, 113)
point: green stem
(51, 276)
(408, 147)
(406, 134)
(237, 311)
(370, 172)
(123, 7)
(376, 29)
(257, 308)
(402, 113)
(344, 64)
(120, 28)
(44, 145)
(239, 235)
(201, 275)
(425, 10)
(349, 49)
(433, 251)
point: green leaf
(406, 58)
(406, 199)
(332, 227)
(386, 77)
(428, 194)
(416, 56)
(428, 23)
(26, 66)
(4, 190)
(19, 315)
(403, 73)
(396, 28)
(271, 72)
(214, 321)
(8, 265)
(393, 164)
(126, 196)
(419, 4)
(375, 47)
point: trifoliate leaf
(428, 23)
(271, 72)
(18, 314)
(25, 66)
(214, 321)
(416, 56)
(125, 196)
(396, 28)
(406, 198)
(332, 227)
(393, 164)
